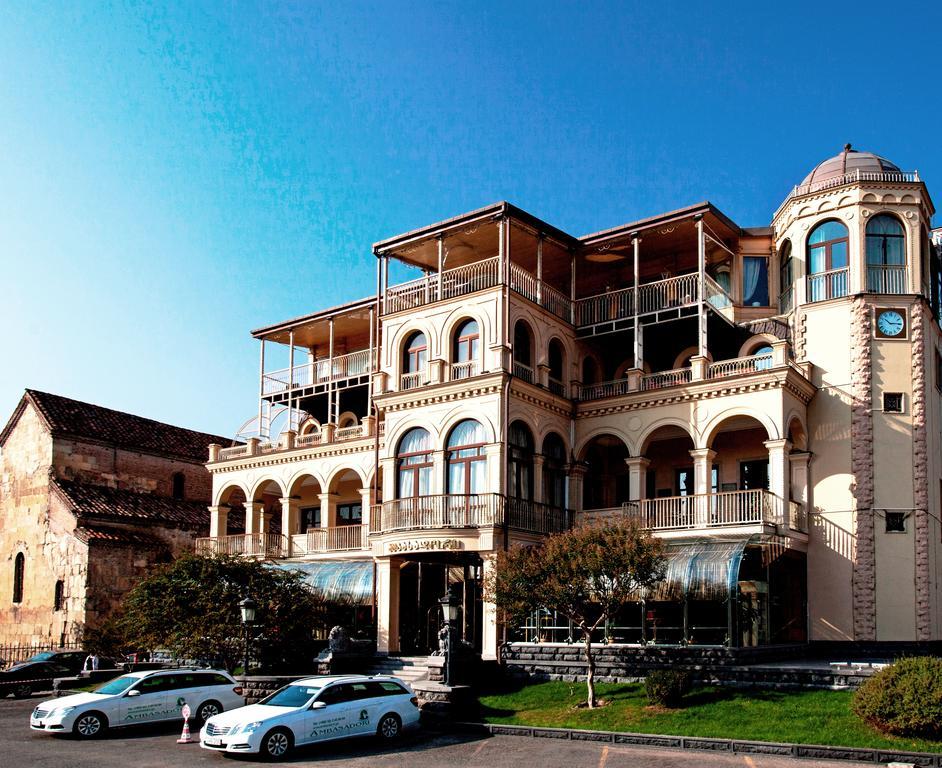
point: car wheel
(206, 710)
(89, 725)
(22, 691)
(276, 744)
(390, 727)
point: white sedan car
(139, 697)
(315, 709)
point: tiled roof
(116, 536)
(67, 417)
(99, 502)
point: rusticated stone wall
(920, 476)
(861, 435)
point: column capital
(219, 508)
(800, 457)
(703, 453)
(638, 461)
(577, 469)
(783, 445)
(289, 500)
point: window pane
(477, 476)
(838, 255)
(829, 230)
(816, 257)
(467, 432)
(755, 282)
(415, 441)
(456, 478)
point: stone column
(489, 639)
(290, 520)
(699, 368)
(366, 499)
(538, 494)
(218, 521)
(328, 506)
(637, 476)
(702, 483)
(253, 517)
(576, 477)
(387, 605)
(389, 478)
(634, 378)
(779, 476)
(438, 484)
(265, 522)
(494, 454)
(799, 464)
(542, 375)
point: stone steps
(408, 668)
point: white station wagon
(315, 709)
(139, 697)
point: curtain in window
(755, 281)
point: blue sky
(173, 177)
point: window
(523, 352)
(893, 402)
(786, 278)
(58, 599)
(414, 464)
(754, 475)
(520, 461)
(350, 514)
(827, 251)
(415, 355)
(555, 359)
(467, 347)
(466, 462)
(886, 255)
(755, 281)
(554, 471)
(310, 518)
(764, 352)
(19, 566)
(938, 371)
(177, 485)
(896, 522)
(685, 483)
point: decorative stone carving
(920, 477)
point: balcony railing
(341, 538)
(233, 453)
(454, 282)
(670, 293)
(310, 439)
(464, 370)
(890, 278)
(523, 371)
(526, 284)
(739, 366)
(318, 372)
(786, 301)
(663, 379)
(411, 380)
(556, 386)
(603, 389)
(535, 517)
(827, 285)
(856, 176)
(268, 545)
(797, 517)
(353, 432)
(707, 510)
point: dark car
(22, 679)
(73, 661)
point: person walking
(91, 662)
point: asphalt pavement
(156, 747)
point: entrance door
(754, 475)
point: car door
(355, 709)
(150, 703)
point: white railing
(603, 389)
(341, 367)
(269, 447)
(411, 380)
(335, 539)
(523, 371)
(827, 285)
(312, 438)
(890, 278)
(739, 365)
(548, 297)
(524, 283)
(797, 517)
(663, 379)
(234, 452)
(464, 370)
(454, 282)
(350, 433)
(715, 294)
(556, 302)
(605, 307)
(268, 545)
(707, 510)
(443, 511)
(672, 292)
(855, 176)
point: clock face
(890, 323)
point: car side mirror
(135, 692)
(319, 705)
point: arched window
(19, 567)
(466, 461)
(827, 251)
(556, 358)
(554, 471)
(177, 487)
(764, 353)
(523, 352)
(414, 463)
(520, 461)
(590, 371)
(58, 599)
(466, 349)
(415, 354)
(886, 255)
(786, 278)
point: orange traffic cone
(185, 736)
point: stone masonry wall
(921, 362)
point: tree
(191, 607)
(586, 574)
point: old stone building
(90, 498)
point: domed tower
(859, 281)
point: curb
(696, 743)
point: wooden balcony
(457, 511)
(263, 545)
(315, 376)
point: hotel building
(765, 399)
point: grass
(803, 717)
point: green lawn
(804, 717)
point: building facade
(90, 500)
(765, 399)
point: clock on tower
(889, 323)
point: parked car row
(303, 712)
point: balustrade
(827, 285)
(666, 379)
(739, 365)
(269, 545)
(707, 510)
(464, 370)
(889, 278)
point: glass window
(896, 522)
(520, 461)
(292, 696)
(350, 514)
(885, 243)
(786, 277)
(466, 461)
(414, 460)
(310, 518)
(754, 475)
(765, 352)
(19, 569)
(467, 342)
(554, 470)
(116, 686)
(522, 347)
(755, 281)
(827, 247)
(416, 354)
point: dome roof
(848, 161)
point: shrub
(904, 698)
(666, 687)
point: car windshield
(292, 696)
(44, 656)
(116, 686)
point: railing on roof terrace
(454, 282)
(233, 453)
(740, 365)
(341, 367)
(855, 176)
(666, 379)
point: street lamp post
(247, 608)
(450, 604)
